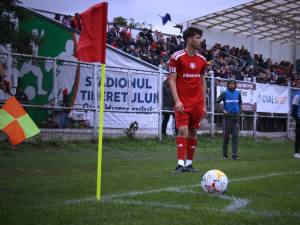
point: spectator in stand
(112, 33)
(296, 82)
(76, 23)
(66, 21)
(57, 17)
(125, 36)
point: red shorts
(190, 117)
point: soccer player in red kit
(187, 84)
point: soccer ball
(214, 181)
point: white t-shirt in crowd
(296, 100)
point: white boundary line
(181, 188)
(237, 204)
(144, 203)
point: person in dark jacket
(296, 116)
(232, 108)
(168, 104)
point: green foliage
(120, 21)
(9, 33)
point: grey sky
(141, 10)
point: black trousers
(166, 117)
(230, 127)
(297, 136)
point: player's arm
(173, 88)
(203, 83)
(221, 97)
(204, 93)
(173, 66)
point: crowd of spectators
(226, 61)
(69, 21)
(153, 47)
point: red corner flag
(92, 40)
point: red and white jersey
(189, 70)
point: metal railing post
(212, 102)
(55, 82)
(254, 114)
(130, 89)
(9, 69)
(289, 111)
(160, 101)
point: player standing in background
(296, 116)
(187, 84)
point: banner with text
(272, 98)
(138, 91)
(128, 97)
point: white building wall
(298, 52)
(276, 51)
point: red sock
(181, 147)
(191, 148)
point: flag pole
(100, 133)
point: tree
(132, 23)
(137, 25)
(10, 14)
(120, 21)
(143, 24)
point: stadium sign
(272, 98)
(138, 93)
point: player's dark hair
(190, 32)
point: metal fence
(63, 99)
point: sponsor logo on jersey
(191, 75)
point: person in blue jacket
(231, 117)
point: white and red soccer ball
(214, 181)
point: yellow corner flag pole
(100, 133)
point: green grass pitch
(56, 184)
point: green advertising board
(50, 39)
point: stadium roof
(275, 20)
